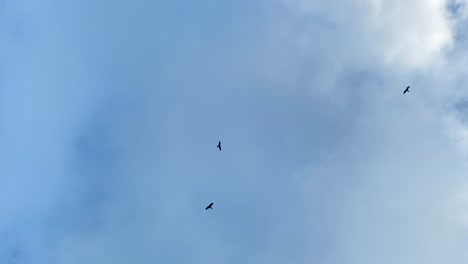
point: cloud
(409, 35)
(111, 111)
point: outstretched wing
(406, 90)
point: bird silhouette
(209, 206)
(219, 145)
(406, 90)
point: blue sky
(110, 112)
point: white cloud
(397, 205)
(404, 35)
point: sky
(110, 113)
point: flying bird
(406, 90)
(209, 206)
(219, 145)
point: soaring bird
(219, 145)
(406, 90)
(209, 206)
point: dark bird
(209, 206)
(219, 145)
(406, 90)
